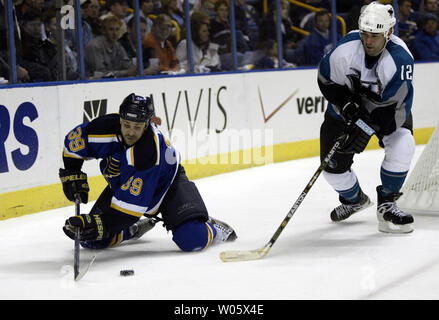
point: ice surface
(313, 258)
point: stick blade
(80, 274)
(243, 255)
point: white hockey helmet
(377, 18)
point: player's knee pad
(341, 181)
(183, 203)
(193, 235)
(399, 149)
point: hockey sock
(345, 184)
(351, 194)
(193, 235)
(392, 181)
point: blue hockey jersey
(139, 175)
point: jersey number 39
(76, 141)
(135, 185)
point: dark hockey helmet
(136, 108)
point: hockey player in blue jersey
(145, 178)
(368, 76)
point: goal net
(421, 189)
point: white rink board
(196, 112)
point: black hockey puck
(126, 272)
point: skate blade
(388, 227)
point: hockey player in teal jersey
(368, 76)
(145, 178)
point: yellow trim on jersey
(209, 235)
(109, 135)
(67, 154)
(132, 155)
(126, 211)
(116, 240)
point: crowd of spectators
(109, 34)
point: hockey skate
(390, 218)
(141, 227)
(346, 209)
(223, 231)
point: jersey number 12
(406, 72)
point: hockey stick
(76, 248)
(245, 255)
(83, 272)
(79, 274)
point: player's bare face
(131, 131)
(373, 43)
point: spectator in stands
(104, 55)
(22, 73)
(267, 56)
(157, 47)
(48, 50)
(431, 6)
(119, 9)
(221, 32)
(129, 39)
(268, 29)
(426, 43)
(170, 7)
(427, 7)
(319, 41)
(146, 8)
(30, 42)
(406, 22)
(204, 53)
(208, 6)
(201, 16)
(90, 13)
(87, 34)
(247, 20)
(29, 5)
(129, 42)
(298, 14)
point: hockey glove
(356, 139)
(73, 182)
(351, 111)
(90, 227)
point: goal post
(421, 189)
